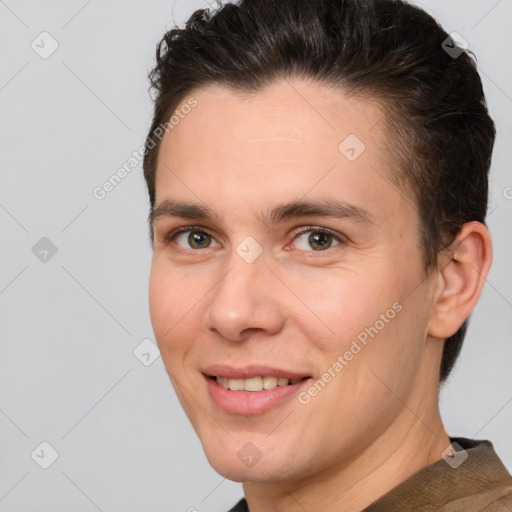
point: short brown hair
(439, 127)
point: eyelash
(185, 229)
(306, 229)
(317, 229)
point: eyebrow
(184, 210)
(295, 209)
(319, 208)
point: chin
(242, 461)
(237, 475)
(235, 471)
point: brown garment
(476, 483)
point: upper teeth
(254, 383)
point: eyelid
(167, 238)
(319, 229)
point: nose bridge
(244, 299)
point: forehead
(287, 140)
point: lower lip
(251, 402)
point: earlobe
(465, 265)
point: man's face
(335, 300)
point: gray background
(69, 325)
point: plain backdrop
(74, 268)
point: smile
(252, 390)
(257, 383)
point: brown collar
(470, 480)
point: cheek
(378, 341)
(161, 301)
(342, 306)
(171, 303)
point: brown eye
(198, 240)
(319, 241)
(316, 240)
(193, 239)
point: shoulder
(498, 499)
(241, 506)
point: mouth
(257, 383)
(252, 390)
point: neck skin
(413, 441)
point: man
(317, 174)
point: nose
(246, 299)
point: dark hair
(388, 50)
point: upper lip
(246, 372)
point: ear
(463, 268)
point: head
(347, 117)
